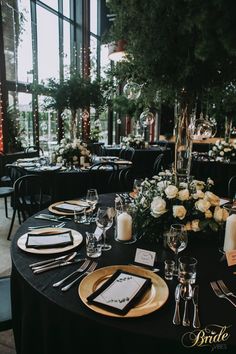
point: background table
(46, 321)
(220, 172)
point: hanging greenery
(175, 44)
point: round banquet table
(46, 320)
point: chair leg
(12, 223)
(5, 200)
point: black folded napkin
(49, 240)
(121, 292)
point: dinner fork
(224, 288)
(90, 270)
(79, 270)
(219, 292)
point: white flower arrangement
(161, 202)
(222, 150)
(135, 141)
(70, 152)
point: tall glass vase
(228, 127)
(183, 141)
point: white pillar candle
(124, 227)
(82, 160)
(230, 233)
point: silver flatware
(58, 265)
(50, 260)
(67, 259)
(90, 270)
(186, 293)
(176, 318)
(224, 288)
(79, 270)
(220, 293)
(196, 320)
(62, 224)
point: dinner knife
(196, 321)
(176, 318)
(50, 260)
(62, 264)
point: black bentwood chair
(104, 176)
(29, 197)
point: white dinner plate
(77, 239)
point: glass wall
(43, 40)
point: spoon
(186, 293)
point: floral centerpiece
(134, 141)
(70, 152)
(161, 202)
(222, 150)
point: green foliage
(73, 93)
(175, 44)
(15, 134)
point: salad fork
(224, 288)
(90, 270)
(219, 292)
(79, 270)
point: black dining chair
(29, 197)
(5, 179)
(5, 304)
(104, 176)
(34, 148)
(125, 180)
(127, 153)
(232, 188)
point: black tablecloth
(144, 159)
(220, 172)
(47, 321)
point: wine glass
(177, 241)
(104, 221)
(92, 200)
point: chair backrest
(14, 172)
(232, 188)
(28, 194)
(125, 180)
(5, 304)
(127, 153)
(157, 165)
(102, 151)
(104, 176)
(34, 148)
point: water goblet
(104, 221)
(177, 241)
(92, 200)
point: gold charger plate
(77, 239)
(81, 203)
(154, 298)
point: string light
(1, 118)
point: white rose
(212, 198)
(227, 149)
(220, 214)
(183, 194)
(59, 159)
(75, 158)
(214, 148)
(161, 185)
(198, 184)
(222, 153)
(208, 214)
(199, 194)
(171, 191)
(202, 205)
(158, 207)
(179, 211)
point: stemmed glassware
(104, 221)
(177, 241)
(92, 200)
